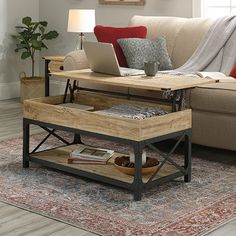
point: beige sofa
(214, 105)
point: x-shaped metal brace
(166, 157)
(50, 132)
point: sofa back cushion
(182, 34)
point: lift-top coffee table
(46, 113)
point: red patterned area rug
(175, 208)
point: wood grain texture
(55, 66)
(54, 58)
(158, 83)
(43, 109)
(55, 62)
(103, 101)
(60, 156)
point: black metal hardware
(47, 83)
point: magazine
(90, 155)
(214, 75)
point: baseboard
(57, 87)
(9, 90)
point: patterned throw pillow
(137, 51)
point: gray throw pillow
(137, 51)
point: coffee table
(139, 134)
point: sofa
(213, 105)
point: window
(217, 8)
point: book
(214, 75)
(90, 155)
(71, 160)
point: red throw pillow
(233, 71)
(108, 34)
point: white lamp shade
(81, 20)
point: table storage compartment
(47, 110)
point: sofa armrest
(75, 60)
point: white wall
(56, 13)
(11, 12)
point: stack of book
(90, 155)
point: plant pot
(31, 87)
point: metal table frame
(175, 98)
(137, 187)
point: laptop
(102, 59)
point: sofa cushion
(111, 34)
(137, 51)
(233, 72)
(178, 32)
(214, 130)
(217, 97)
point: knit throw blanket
(216, 51)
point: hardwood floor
(11, 119)
(17, 222)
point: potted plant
(31, 38)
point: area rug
(172, 209)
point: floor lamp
(81, 21)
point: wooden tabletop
(159, 82)
(54, 58)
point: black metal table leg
(72, 92)
(66, 90)
(26, 129)
(77, 139)
(187, 156)
(138, 183)
(47, 86)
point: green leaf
(44, 46)
(25, 55)
(42, 29)
(36, 24)
(43, 23)
(26, 21)
(51, 35)
(36, 44)
(21, 46)
(35, 36)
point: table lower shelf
(58, 157)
